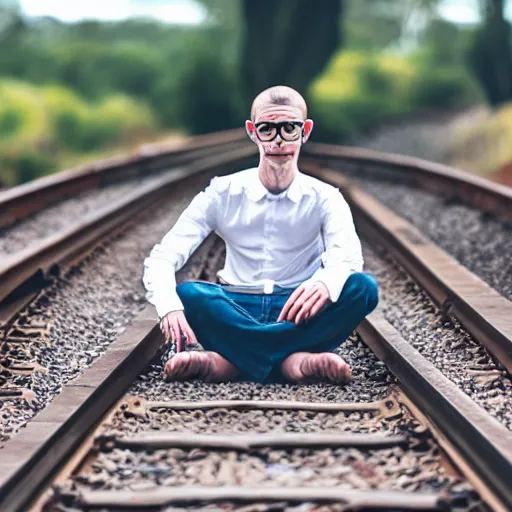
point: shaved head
(279, 95)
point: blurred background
(80, 81)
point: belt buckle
(268, 286)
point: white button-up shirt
(302, 235)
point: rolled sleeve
(167, 257)
(342, 255)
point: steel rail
(481, 310)
(20, 267)
(19, 202)
(26, 465)
(30, 459)
(467, 430)
(439, 178)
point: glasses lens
(290, 131)
(266, 131)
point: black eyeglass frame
(279, 127)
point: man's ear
(307, 129)
(251, 130)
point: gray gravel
(429, 137)
(223, 420)
(101, 296)
(480, 242)
(345, 468)
(442, 340)
(62, 215)
(371, 381)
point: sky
(174, 11)
(189, 11)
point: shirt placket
(268, 234)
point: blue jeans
(243, 329)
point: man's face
(278, 130)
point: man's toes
(177, 365)
(328, 367)
(339, 370)
(186, 365)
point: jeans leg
(254, 347)
(223, 326)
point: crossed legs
(236, 344)
(299, 367)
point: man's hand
(175, 327)
(304, 303)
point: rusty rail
(481, 309)
(440, 179)
(19, 202)
(32, 456)
(464, 429)
(21, 267)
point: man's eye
(264, 129)
(289, 128)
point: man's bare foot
(304, 367)
(208, 366)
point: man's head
(279, 125)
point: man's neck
(277, 178)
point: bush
(69, 115)
(205, 90)
(40, 126)
(32, 165)
(360, 90)
(355, 93)
(441, 88)
(484, 145)
(23, 117)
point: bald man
(292, 288)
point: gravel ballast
(480, 242)
(63, 214)
(440, 339)
(86, 310)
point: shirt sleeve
(342, 255)
(167, 257)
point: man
(292, 288)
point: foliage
(39, 126)
(76, 89)
(360, 90)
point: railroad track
(279, 446)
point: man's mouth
(279, 155)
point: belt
(266, 289)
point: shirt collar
(255, 190)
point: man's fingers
(299, 303)
(191, 337)
(307, 306)
(166, 329)
(176, 333)
(290, 302)
(317, 307)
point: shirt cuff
(333, 278)
(166, 305)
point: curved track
(405, 414)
